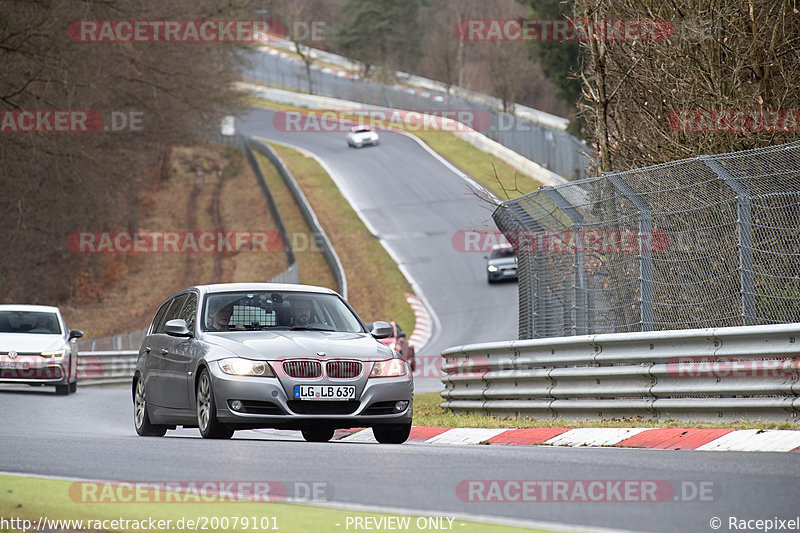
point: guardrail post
(744, 223)
(580, 304)
(645, 255)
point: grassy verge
(375, 285)
(427, 412)
(311, 264)
(33, 498)
(495, 174)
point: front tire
(73, 387)
(318, 434)
(141, 420)
(392, 434)
(210, 427)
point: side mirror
(75, 334)
(381, 330)
(177, 328)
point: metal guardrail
(273, 207)
(106, 367)
(714, 375)
(308, 213)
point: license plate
(324, 392)
(15, 365)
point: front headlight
(238, 366)
(492, 268)
(55, 353)
(391, 368)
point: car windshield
(36, 322)
(498, 254)
(276, 310)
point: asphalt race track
(90, 435)
(416, 204)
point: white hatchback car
(37, 348)
(359, 136)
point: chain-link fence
(706, 242)
(554, 149)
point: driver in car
(301, 312)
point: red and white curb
(740, 440)
(423, 327)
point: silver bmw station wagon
(260, 355)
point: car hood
(30, 342)
(280, 345)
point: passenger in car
(220, 320)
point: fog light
(236, 405)
(400, 406)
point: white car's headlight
(238, 366)
(55, 353)
(492, 268)
(390, 368)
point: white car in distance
(359, 136)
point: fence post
(745, 229)
(579, 302)
(645, 255)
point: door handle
(147, 349)
(164, 351)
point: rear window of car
(35, 322)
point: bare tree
(731, 55)
(57, 183)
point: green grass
(32, 498)
(376, 288)
(427, 412)
(311, 265)
(495, 174)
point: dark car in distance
(501, 263)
